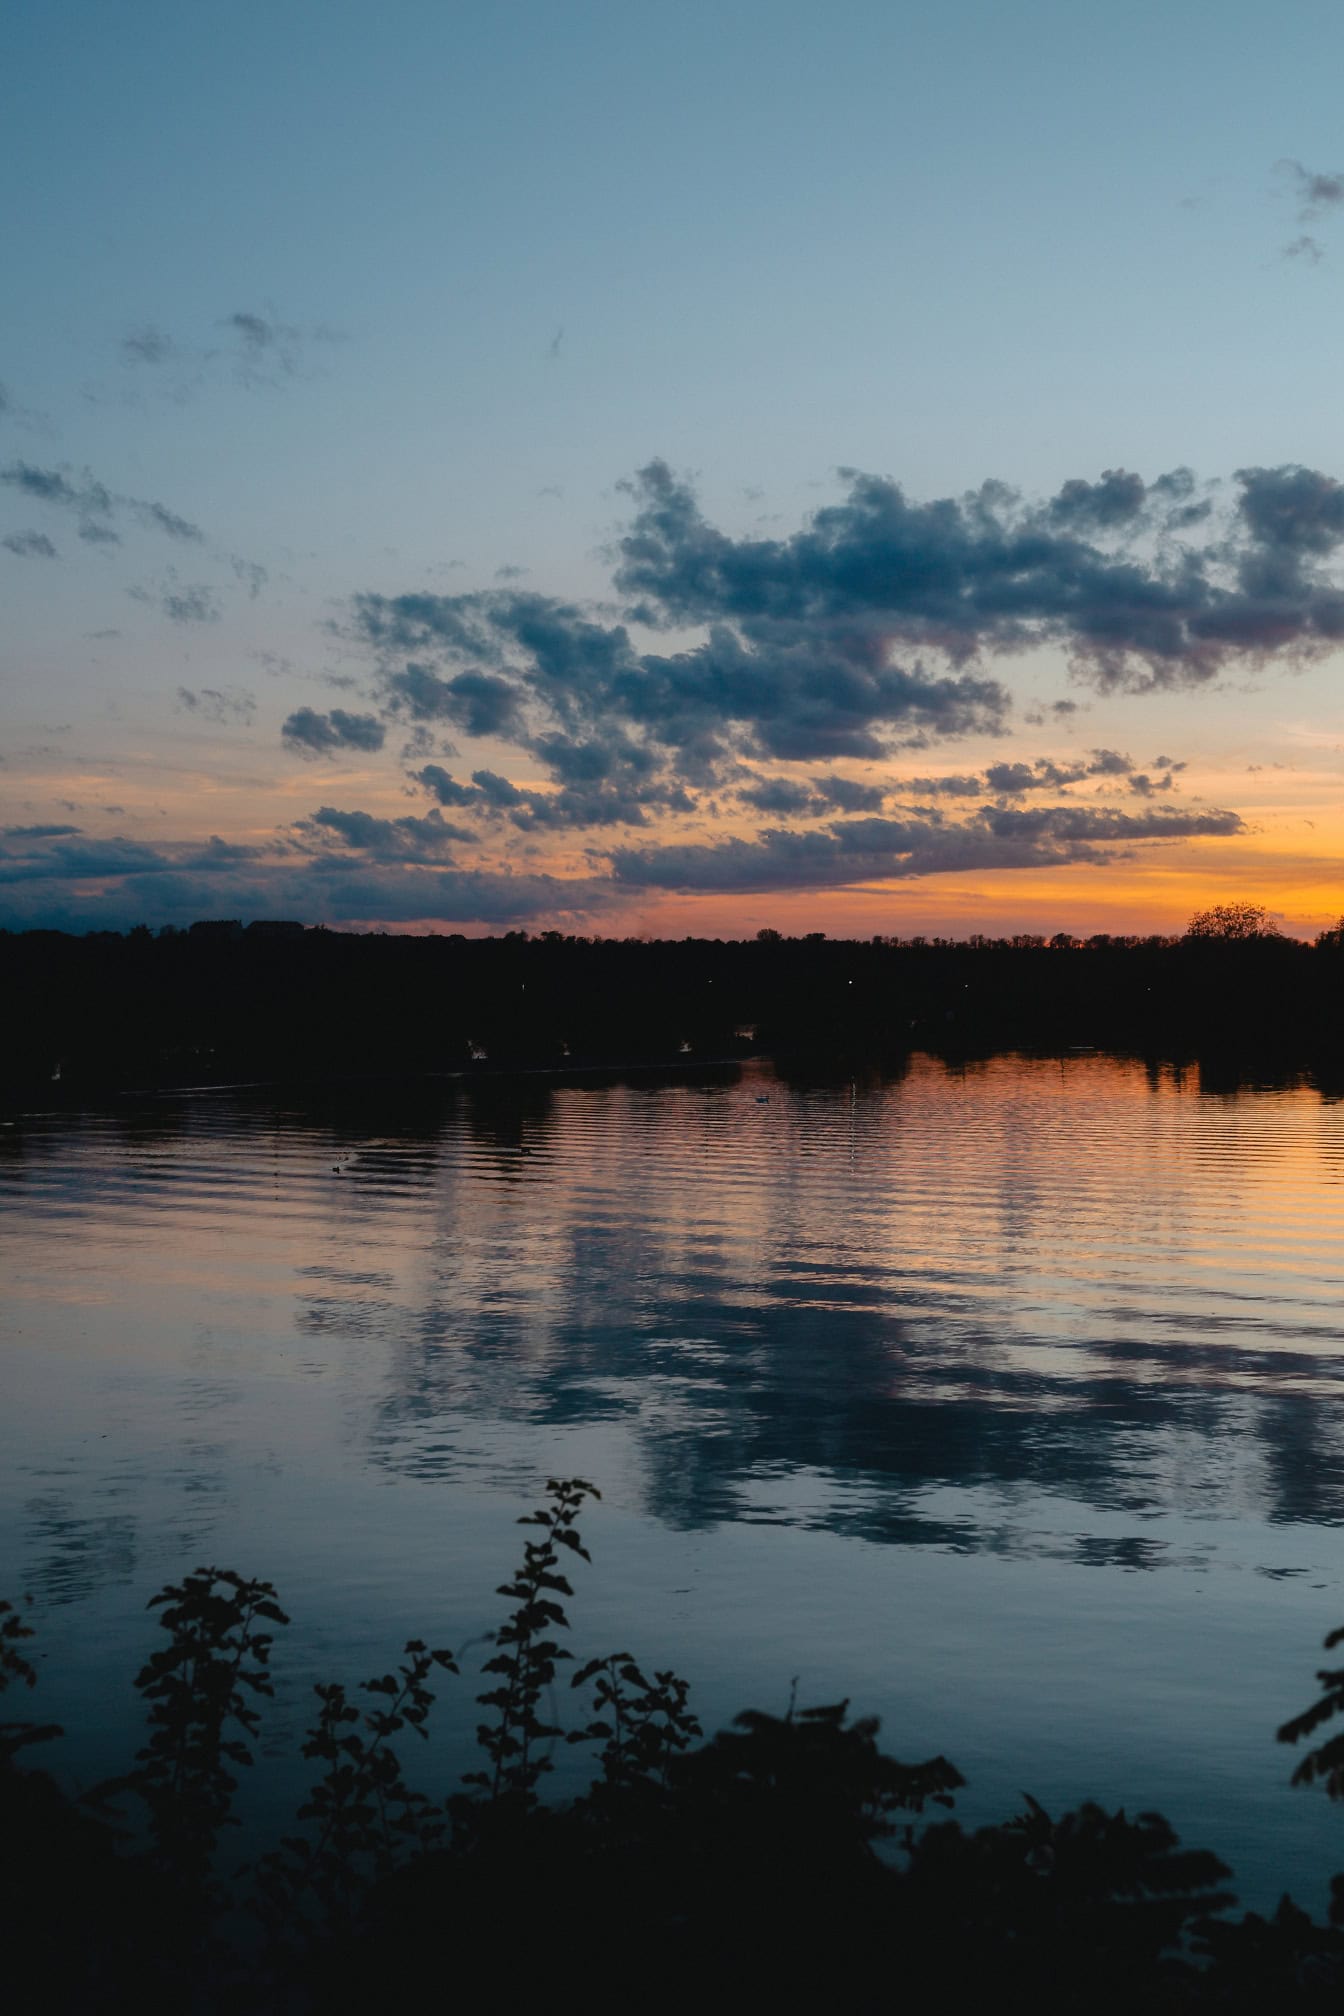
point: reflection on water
(1007, 1399)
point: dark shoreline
(316, 1009)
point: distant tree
(1333, 939)
(1233, 921)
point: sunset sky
(471, 464)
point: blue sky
(397, 302)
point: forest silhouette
(221, 1003)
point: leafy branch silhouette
(200, 1687)
(527, 1655)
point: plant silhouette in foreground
(201, 1687)
(527, 1657)
(368, 1818)
(15, 1736)
(642, 1725)
(770, 1859)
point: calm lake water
(1006, 1401)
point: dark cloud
(592, 800)
(29, 545)
(1117, 500)
(540, 673)
(411, 839)
(780, 794)
(53, 486)
(872, 850)
(1109, 763)
(336, 871)
(788, 795)
(213, 703)
(147, 345)
(446, 788)
(257, 332)
(160, 519)
(99, 535)
(263, 351)
(323, 734)
(94, 502)
(197, 604)
(988, 572)
(1011, 779)
(480, 703)
(1315, 193)
(1305, 247)
(961, 785)
(1292, 510)
(846, 794)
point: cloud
(323, 734)
(879, 850)
(1011, 779)
(542, 674)
(252, 348)
(196, 604)
(413, 839)
(781, 794)
(334, 869)
(94, 503)
(1314, 192)
(224, 706)
(160, 519)
(1099, 569)
(29, 545)
(960, 785)
(788, 795)
(147, 345)
(590, 800)
(263, 351)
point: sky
(630, 469)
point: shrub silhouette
(778, 1860)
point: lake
(1004, 1400)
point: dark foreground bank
(787, 1862)
(220, 1003)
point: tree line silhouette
(777, 1862)
(219, 1002)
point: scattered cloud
(29, 545)
(1315, 194)
(250, 347)
(147, 345)
(227, 706)
(194, 604)
(416, 839)
(331, 869)
(315, 734)
(94, 504)
(879, 850)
